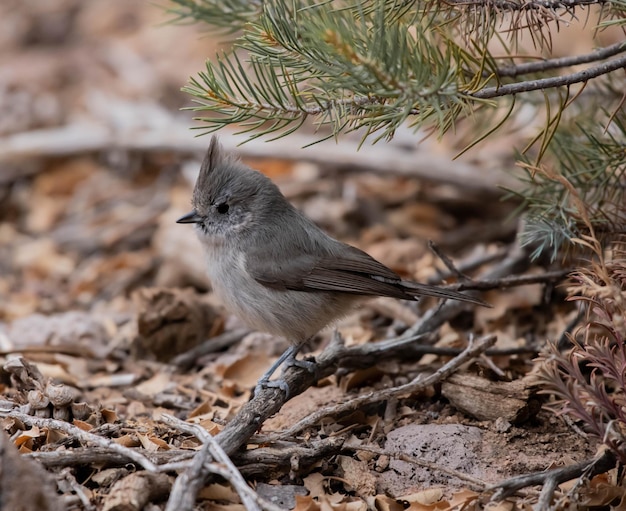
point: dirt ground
(105, 308)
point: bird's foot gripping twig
(287, 359)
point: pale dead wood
(176, 137)
(68, 479)
(210, 448)
(134, 491)
(96, 455)
(516, 401)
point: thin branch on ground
(588, 468)
(512, 281)
(77, 488)
(473, 481)
(470, 264)
(193, 476)
(418, 384)
(448, 262)
(185, 361)
(83, 436)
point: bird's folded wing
(351, 271)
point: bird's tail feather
(438, 292)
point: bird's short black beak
(190, 218)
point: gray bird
(273, 267)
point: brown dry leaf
(85, 426)
(351, 505)
(306, 503)
(204, 409)
(420, 221)
(356, 335)
(314, 482)
(212, 427)
(148, 443)
(227, 507)
(54, 436)
(523, 297)
(386, 190)
(219, 492)
(128, 441)
(244, 370)
(359, 377)
(358, 476)
(172, 321)
(52, 189)
(424, 500)
(158, 383)
(504, 505)
(601, 491)
(462, 498)
(385, 503)
(26, 437)
(301, 406)
(58, 373)
(42, 258)
(109, 416)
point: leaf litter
(101, 290)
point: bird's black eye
(222, 208)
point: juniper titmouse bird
(273, 267)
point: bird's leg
(288, 358)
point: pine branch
(553, 82)
(499, 6)
(550, 64)
(230, 15)
(581, 186)
(369, 66)
(346, 73)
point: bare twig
(512, 281)
(416, 385)
(598, 465)
(186, 360)
(468, 265)
(177, 501)
(548, 64)
(77, 488)
(189, 483)
(547, 492)
(476, 483)
(552, 82)
(83, 436)
(448, 262)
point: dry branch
(419, 384)
(78, 139)
(83, 436)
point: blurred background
(97, 161)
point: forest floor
(114, 351)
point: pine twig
(552, 82)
